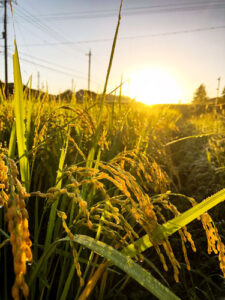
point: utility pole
(38, 81)
(89, 69)
(218, 90)
(5, 48)
(72, 86)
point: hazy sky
(184, 38)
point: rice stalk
(52, 217)
(92, 151)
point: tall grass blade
(29, 108)
(52, 217)
(197, 136)
(12, 142)
(98, 129)
(110, 60)
(20, 126)
(67, 284)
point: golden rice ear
(4, 184)
(63, 216)
(215, 243)
(17, 218)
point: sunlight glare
(154, 86)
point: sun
(154, 86)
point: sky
(165, 48)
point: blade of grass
(103, 285)
(64, 269)
(29, 108)
(127, 265)
(198, 136)
(110, 62)
(67, 284)
(12, 142)
(51, 222)
(92, 151)
(20, 126)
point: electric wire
(45, 28)
(168, 8)
(136, 8)
(150, 35)
(70, 74)
(51, 63)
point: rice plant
(90, 199)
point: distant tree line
(200, 95)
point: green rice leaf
(20, 126)
(127, 265)
(52, 217)
(12, 141)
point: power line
(135, 8)
(51, 68)
(51, 63)
(45, 28)
(55, 69)
(44, 60)
(184, 7)
(52, 33)
(186, 31)
(170, 33)
(75, 72)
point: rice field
(109, 201)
